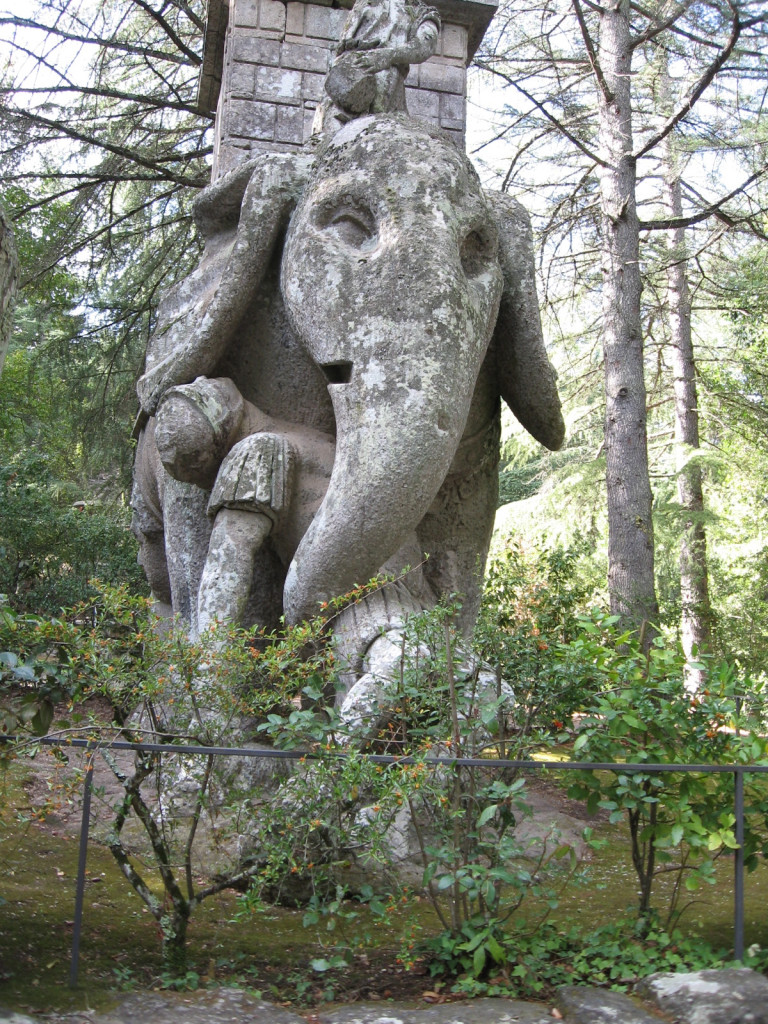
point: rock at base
(597, 1006)
(726, 996)
(220, 1006)
(476, 1011)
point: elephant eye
(355, 226)
(476, 252)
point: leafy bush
(536, 961)
(444, 705)
(326, 833)
(51, 548)
(530, 609)
(641, 712)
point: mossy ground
(271, 950)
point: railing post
(80, 884)
(738, 866)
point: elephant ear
(241, 218)
(525, 375)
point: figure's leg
(228, 573)
(187, 531)
(253, 489)
(147, 520)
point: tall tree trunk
(631, 583)
(9, 278)
(694, 583)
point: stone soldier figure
(380, 41)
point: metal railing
(92, 747)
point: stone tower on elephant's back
(265, 62)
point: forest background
(635, 136)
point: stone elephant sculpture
(361, 309)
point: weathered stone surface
(380, 41)
(222, 1006)
(733, 996)
(478, 1011)
(272, 33)
(376, 345)
(596, 1006)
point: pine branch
(108, 43)
(591, 53)
(696, 92)
(711, 210)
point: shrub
(51, 547)
(641, 712)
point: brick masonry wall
(275, 59)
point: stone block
(290, 125)
(251, 49)
(324, 22)
(453, 42)
(596, 1006)
(272, 15)
(442, 78)
(229, 157)
(457, 136)
(421, 103)
(412, 78)
(278, 84)
(305, 57)
(294, 18)
(475, 1011)
(251, 120)
(309, 120)
(241, 81)
(313, 87)
(246, 14)
(453, 111)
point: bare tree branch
(696, 92)
(712, 209)
(590, 46)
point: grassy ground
(269, 952)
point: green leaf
(495, 949)
(487, 814)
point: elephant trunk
(391, 459)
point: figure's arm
(419, 47)
(526, 377)
(197, 321)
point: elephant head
(392, 281)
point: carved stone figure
(321, 395)
(380, 41)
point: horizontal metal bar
(467, 762)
